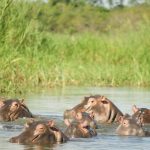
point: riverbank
(118, 55)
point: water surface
(52, 104)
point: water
(53, 103)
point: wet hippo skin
(79, 129)
(40, 133)
(13, 109)
(75, 116)
(141, 114)
(100, 108)
(130, 127)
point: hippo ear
(22, 101)
(2, 99)
(134, 109)
(29, 122)
(1, 103)
(51, 123)
(26, 125)
(104, 101)
(85, 97)
(120, 119)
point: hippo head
(101, 108)
(80, 130)
(129, 126)
(60, 137)
(71, 113)
(13, 109)
(141, 114)
(77, 116)
(41, 133)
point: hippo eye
(92, 101)
(16, 104)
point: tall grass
(31, 57)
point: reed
(36, 58)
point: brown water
(52, 104)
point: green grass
(113, 51)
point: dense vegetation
(59, 44)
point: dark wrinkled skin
(40, 133)
(13, 109)
(77, 130)
(130, 127)
(141, 114)
(99, 107)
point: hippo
(141, 114)
(77, 116)
(101, 109)
(40, 133)
(130, 127)
(13, 109)
(80, 130)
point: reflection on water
(51, 104)
(38, 147)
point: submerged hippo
(13, 109)
(40, 133)
(79, 130)
(73, 116)
(99, 107)
(141, 114)
(130, 126)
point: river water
(52, 104)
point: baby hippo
(141, 114)
(13, 109)
(130, 126)
(40, 133)
(79, 129)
